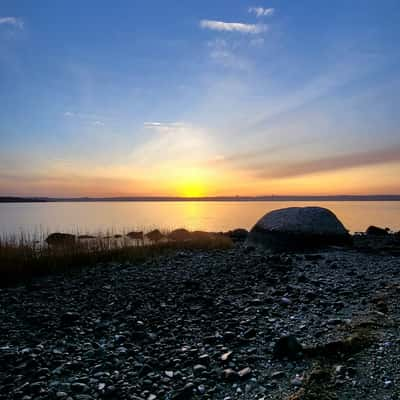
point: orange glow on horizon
(192, 181)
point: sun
(192, 183)
(193, 189)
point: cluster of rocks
(232, 324)
(139, 237)
(240, 323)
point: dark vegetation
(22, 259)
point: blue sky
(188, 97)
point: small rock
(245, 373)
(69, 317)
(199, 368)
(284, 301)
(78, 387)
(297, 381)
(230, 375)
(287, 346)
(226, 356)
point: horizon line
(339, 197)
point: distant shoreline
(12, 199)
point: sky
(199, 98)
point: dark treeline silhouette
(378, 197)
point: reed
(23, 257)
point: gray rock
(377, 231)
(154, 235)
(179, 235)
(231, 375)
(60, 239)
(238, 235)
(245, 373)
(69, 317)
(287, 347)
(298, 228)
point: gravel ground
(206, 325)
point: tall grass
(23, 258)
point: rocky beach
(219, 324)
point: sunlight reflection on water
(119, 217)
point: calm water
(118, 217)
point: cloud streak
(95, 119)
(262, 12)
(232, 26)
(13, 21)
(328, 164)
(225, 53)
(164, 126)
(171, 143)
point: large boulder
(298, 228)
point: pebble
(210, 324)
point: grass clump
(318, 385)
(21, 259)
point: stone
(199, 368)
(250, 333)
(245, 373)
(79, 387)
(284, 301)
(287, 347)
(144, 370)
(58, 239)
(135, 235)
(230, 375)
(201, 389)
(226, 356)
(298, 228)
(376, 231)
(154, 235)
(238, 235)
(69, 317)
(297, 381)
(388, 383)
(179, 235)
(277, 375)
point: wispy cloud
(232, 26)
(171, 143)
(164, 126)
(223, 52)
(94, 119)
(262, 12)
(333, 163)
(13, 21)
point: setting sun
(192, 183)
